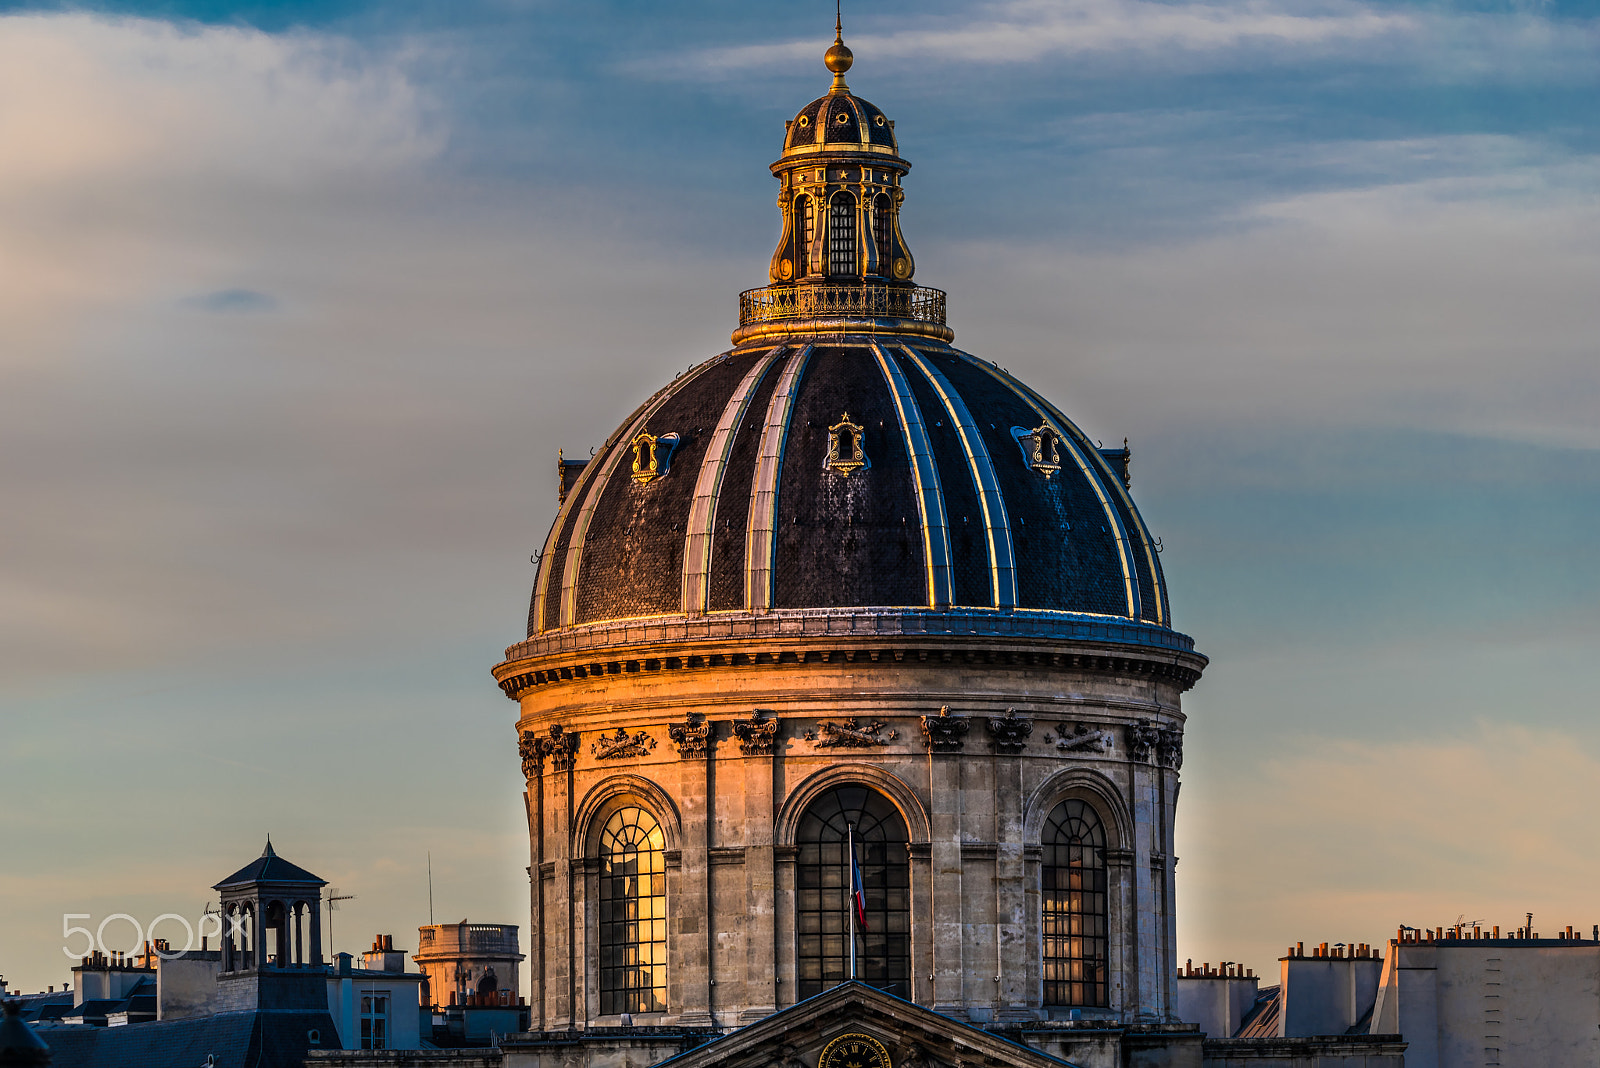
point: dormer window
(652, 455)
(1041, 448)
(846, 446)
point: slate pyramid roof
(269, 868)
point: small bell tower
(271, 917)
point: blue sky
(297, 302)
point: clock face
(854, 1051)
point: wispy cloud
(1028, 31)
(232, 300)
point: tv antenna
(221, 928)
(334, 897)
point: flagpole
(850, 871)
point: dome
(843, 461)
(839, 122)
(895, 476)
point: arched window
(633, 914)
(880, 230)
(842, 234)
(822, 882)
(805, 224)
(1073, 897)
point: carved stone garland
(1081, 739)
(850, 735)
(622, 744)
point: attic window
(845, 446)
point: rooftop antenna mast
(334, 897)
(430, 888)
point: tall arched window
(1073, 896)
(805, 224)
(842, 234)
(822, 882)
(880, 230)
(633, 914)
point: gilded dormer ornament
(846, 451)
(1041, 447)
(652, 455)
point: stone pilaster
(761, 946)
(690, 921)
(949, 934)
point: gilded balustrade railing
(826, 300)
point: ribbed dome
(839, 122)
(849, 472)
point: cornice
(554, 660)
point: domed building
(849, 657)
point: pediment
(909, 1035)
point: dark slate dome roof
(974, 496)
(840, 122)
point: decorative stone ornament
(1169, 749)
(850, 735)
(652, 455)
(560, 745)
(1041, 448)
(692, 736)
(945, 733)
(845, 452)
(1082, 739)
(1009, 734)
(622, 744)
(854, 1050)
(1142, 739)
(757, 734)
(532, 757)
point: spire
(267, 852)
(838, 58)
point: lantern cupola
(841, 257)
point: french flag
(858, 894)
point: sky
(299, 300)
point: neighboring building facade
(262, 999)
(1450, 997)
(1464, 996)
(462, 959)
(845, 583)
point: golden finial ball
(838, 58)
